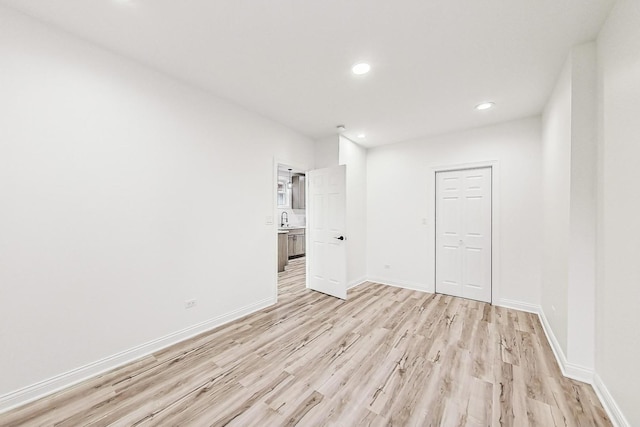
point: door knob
(339, 238)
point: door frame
(495, 217)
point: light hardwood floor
(386, 356)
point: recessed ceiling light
(361, 68)
(361, 135)
(485, 106)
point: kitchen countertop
(293, 227)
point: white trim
(59, 382)
(357, 282)
(578, 372)
(412, 286)
(613, 410)
(569, 370)
(274, 188)
(495, 216)
(518, 305)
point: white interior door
(463, 233)
(326, 220)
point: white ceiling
(432, 60)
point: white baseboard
(59, 382)
(613, 410)
(578, 372)
(357, 282)
(83, 373)
(420, 287)
(569, 370)
(518, 305)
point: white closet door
(463, 233)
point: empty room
(319, 213)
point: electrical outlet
(190, 303)
(424, 221)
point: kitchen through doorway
(291, 217)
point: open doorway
(311, 218)
(291, 218)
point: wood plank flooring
(386, 356)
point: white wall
(569, 186)
(124, 193)
(400, 219)
(556, 184)
(355, 158)
(618, 289)
(581, 290)
(326, 152)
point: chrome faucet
(284, 217)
